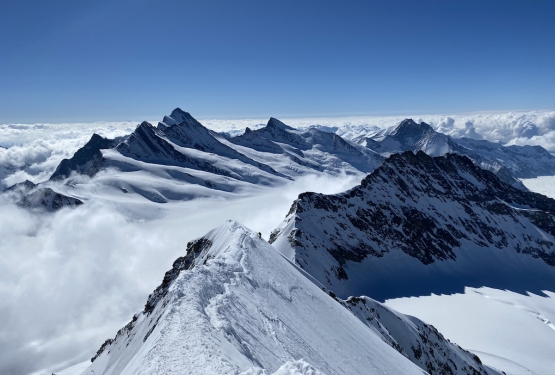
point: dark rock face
(195, 249)
(421, 343)
(425, 207)
(49, 199)
(87, 160)
(30, 195)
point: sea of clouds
(70, 279)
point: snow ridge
(233, 305)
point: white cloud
(34, 151)
(70, 280)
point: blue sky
(65, 61)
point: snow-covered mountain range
(234, 305)
(433, 215)
(180, 148)
(421, 218)
(180, 159)
(508, 162)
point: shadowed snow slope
(234, 305)
(419, 225)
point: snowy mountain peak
(178, 116)
(87, 160)
(274, 122)
(433, 209)
(410, 126)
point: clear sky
(90, 60)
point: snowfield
(507, 327)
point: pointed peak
(408, 125)
(25, 185)
(178, 116)
(229, 227)
(179, 112)
(274, 122)
(96, 137)
(248, 130)
(145, 124)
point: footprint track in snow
(521, 307)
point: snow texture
(233, 305)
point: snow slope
(441, 221)
(513, 332)
(234, 305)
(544, 185)
(416, 340)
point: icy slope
(510, 331)
(435, 220)
(234, 305)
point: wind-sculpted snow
(233, 305)
(416, 340)
(438, 211)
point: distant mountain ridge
(508, 162)
(182, 148)
(30, 195)
(203, 163)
